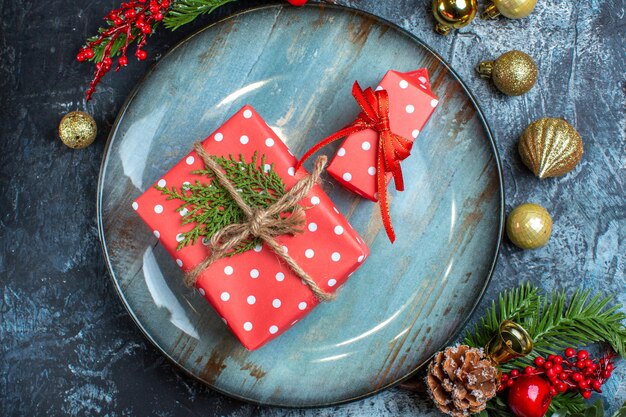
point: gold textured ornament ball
(513, 9)
(529, 226)
(77, 129)
(514, 73)
(453, 14)
(550, 147)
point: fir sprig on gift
(210, 208)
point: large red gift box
(411, 103)
(255, 293)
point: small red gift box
(411, 103)
(255, 293)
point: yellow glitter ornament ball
(513, 9)
(453, 14)
(77, 130)
(514, 73)
(550, 147)
(529, 226)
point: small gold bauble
(77, 129)
(513, 9)
(453, 14)
(550, 147)
(529, 226)
(514, 72)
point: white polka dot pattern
(254, 293)
(411, 103)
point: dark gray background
(68, 347)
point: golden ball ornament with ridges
(529, 226)
(514, 73)
(453, 14)
(77, 130)
(550, 147)
(513, 9)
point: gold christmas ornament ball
(513, 9)
(453, 14)
(550, 147)
(529, 226)
(514, 73)
(77, 130)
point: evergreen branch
(185, 11)
(568, 403)
(210, 208)
(621, 412)
(514, 304)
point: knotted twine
(264, 224)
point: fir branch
(210, 208)
(555, 325)
(567, 403)
(513, 304)
(621, 412)
(185, 11)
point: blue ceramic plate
(296, 67)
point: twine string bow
(392, 148)
(265, 224)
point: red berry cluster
(134, 20)
(574, 372)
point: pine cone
(461, 381)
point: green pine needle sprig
(553, 322)
(210, 208)
(185, 11)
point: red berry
(577, 376)
(123, 61)
(561, 387)
(547, 365)
(563, 376)
(551, 373)
(588, 363)
(609, 367)
(510, 382)
(297, 2)
(586, 394)
(569, 352)
(580, 364)
(141, 54)
(130, 14)
(557, 360)
(558, 369)
(552, 391)
(596, 385)
(550, 357)
(539, 361)
(145, 29)
(582, 355)
(165, 4)
(583, 384)
(158, 16)
(504, 377)
(514, 373)
(529, 370)
(530, 396)
(80, 57)
(606, 374)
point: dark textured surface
(67, 345)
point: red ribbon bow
(392, 148)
